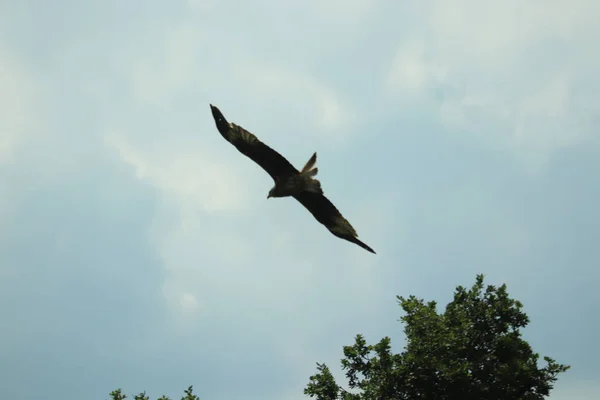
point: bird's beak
(269, 196)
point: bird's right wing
(270, 160)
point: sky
(138, 249)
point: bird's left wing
(270, 160)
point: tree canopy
(118, 395)
(473, 350)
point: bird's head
(272, 193)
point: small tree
(117, 395)
(473, 350)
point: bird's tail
(308, 172)
(309, 168)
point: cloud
(79, 278)
(512, 75)
(410, 69)
(194, 178)
(272, 83)
(169, 67)
(189, 302)
(20, 119)
(19, 115)
(192, 59)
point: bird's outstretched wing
(270, 160)
(327, 214)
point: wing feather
(248, 144)
(327, 214)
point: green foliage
(117, 395)
(473, 350)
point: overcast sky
(138, 249)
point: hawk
(289, 182)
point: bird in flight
(289, 182)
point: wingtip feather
(363, 245)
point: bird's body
(298, 181)
(289, 182)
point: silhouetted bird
(300, 185)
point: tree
(117, 395)
(473, 350)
